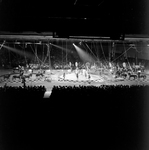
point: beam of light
(2, 45)
(75, 2)
(22, 53)
(62, 48)
(84, 56)
(90, 50)
(101, 2)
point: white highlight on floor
(47, 94)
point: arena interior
(77, 84)
(48, 61)
(74, 74)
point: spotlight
(17, 42)
(75, 2)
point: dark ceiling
(75, 17)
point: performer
(89, 76)
(77, 74)
(83, 72)
(86, 74)
(76, 64)
(124, 65)
(64, 75)
(110, 65)
(23, 81)
(87, 66)
(70, 65)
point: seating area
(113, 113)
(21, 92)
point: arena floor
(55, 78)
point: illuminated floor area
(81, 77)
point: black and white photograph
(74, 74)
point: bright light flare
(84, 55)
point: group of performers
(77, 70)
(25, 72)
(124, 70)
(128, 71)
(84, 70)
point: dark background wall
(86, 17)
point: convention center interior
(74, 74)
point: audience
(70, 114)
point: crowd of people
(129, 91)
(77, 91)
(114, 113)
(22, 92)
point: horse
(40, 74)
(27, 75)
(117, 73)
(124, 75)
(141, 76)
(6, 76)
(16, 77)
(132, 75)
